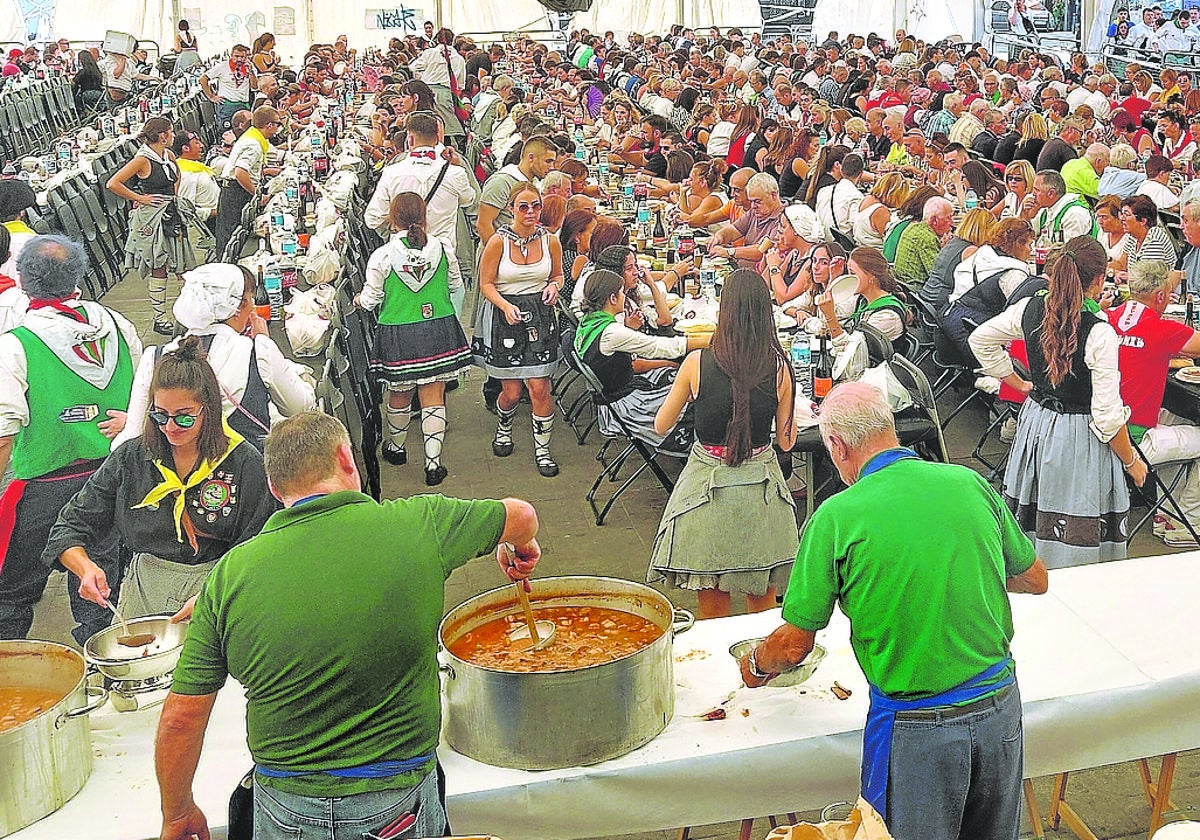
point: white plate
(843, 289)
(1190, 375)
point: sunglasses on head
(526, 206)
(182, 420)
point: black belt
(948, 713)
(1059, 406)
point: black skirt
(420, 353)
(529, 350)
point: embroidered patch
(79, 414)
(426, 311)
(216, 497)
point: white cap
(211, 293)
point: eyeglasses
(1014, 179)
(182, 420)
(526, 206)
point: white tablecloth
(1108, 670)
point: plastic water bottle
(970, 201)
(801, 355)
(273, 281)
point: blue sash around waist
(377, 770)
(881, 717)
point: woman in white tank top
(516, 328)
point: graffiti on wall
(404, 18)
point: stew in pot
(20, 705)
(585, 636)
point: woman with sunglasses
(730, 525)
(180, 496)
(1018, 183)
(516, 330)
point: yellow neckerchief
(18, 226)
(186, 165)
(256, 135)
(172, 485)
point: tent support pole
(679, 13)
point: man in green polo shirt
(329, 619)
(919, 557)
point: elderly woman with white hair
(216, 304)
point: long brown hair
(408, 213)
(874, 263)
(747, 349)
(1071, 274)
(187, 369)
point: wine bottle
(823, 369)
(262, 303)
(660, 231)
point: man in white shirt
(1143, 35)
(1061, 215)
(243, 172)
(197, 182)
(837, 203)
(1101, 98)
(1083, 93)
(235, 79)
(434, 172)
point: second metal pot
(543, 721)
(44, 761)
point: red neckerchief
(7, 283)
(89, 351)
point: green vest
(885, 302)
(402, 305)
(892, 242)
(64, 409)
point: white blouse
(990, 343)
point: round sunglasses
(182, 420)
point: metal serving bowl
(156, 659)
(794, 676)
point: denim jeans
(958, 779)
(286, 816)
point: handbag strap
(437, 183)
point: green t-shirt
(917, 555)
(329, 619)
(1081, 178)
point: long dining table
(1108, 671)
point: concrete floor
(1109, 798)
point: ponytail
(1076, 268)
(408, 213)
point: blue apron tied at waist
(376, 770)
(881, 718)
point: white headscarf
(211, 293)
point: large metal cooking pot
(44, 761)
(156, 659)
(546, 720)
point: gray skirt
(727, 528)
(443, 104)
(1067, 489)
(153, 586)
(148, 247)
(639, 408)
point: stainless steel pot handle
(101, 699)
(444, 666)
(681, 620)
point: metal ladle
(540, 633)
(127, 639)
